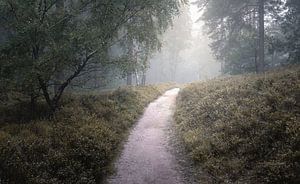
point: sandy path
(146, 157)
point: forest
(149, 91)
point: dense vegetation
(241, 129)
(46, 46)
(244, 129)
(51, 51)
(252, 35)
(78, 145)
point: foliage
(49, 43)
(244, 129)
(79, 144)
(291, 28)
(233, 27)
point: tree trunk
(33, 105)
(173, 71)
(129, 79)
(255, 61)
(223, 67)
(261, 51)
(58, 76)
(137, 78)
(60, 4)
(46, 94)
(144, 79)
(54, 102)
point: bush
(244, 129)
(79, 145)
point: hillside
(78, 145)
(244, 129)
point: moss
(244, 129)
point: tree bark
(33, 105)
(144, 79)
(261, 51)
(54, 102)
(46, 94)
(255, 61)
(129, 79)
(60, 6)
(58, 76)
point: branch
(13, 10)
(44, 88)
(61, 89)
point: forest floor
(147, 156)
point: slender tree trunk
(136, 75)
(60, 6)
(261, 51)
(58, 79)
(132, 55)
(59, 76)
(33, 105)
(46, 94)
(223, 67)
(144, 79)
(54, 102)
(174, 70)
(255, 61)
(129, 78)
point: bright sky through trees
(195, 15)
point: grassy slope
(79, 145)
(244, 129)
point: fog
(185, 55)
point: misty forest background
(75, 75)
(49, 47)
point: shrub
(244, 129)
(79, 144)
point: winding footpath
(146, 158)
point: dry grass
(244, 129)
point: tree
(177, 39)
(290, 24)
(261, 50)
(229, 24)
(43, 43)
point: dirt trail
(146, 157)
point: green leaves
(70, 38)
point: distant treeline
(253, 35)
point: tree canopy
(49, 43)
(233, 26)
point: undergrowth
(78, 145)
(244, 129)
